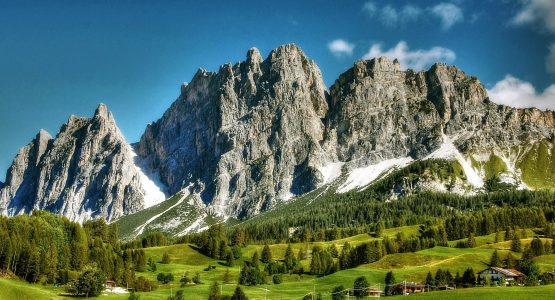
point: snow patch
(449, 151)
(330, 171)
(361, 177)
(150, 181)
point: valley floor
(405, 266)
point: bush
(360, 287)
(143, 285)
(89, 284)
(133, 296)
(166, 258)
(277, 279)
(165, 277)
(196, 278)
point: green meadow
(406, 266)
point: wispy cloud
(514, 92)
(340, 47)
(391, 16)
(540, 12)
(448, 13)
(415, 59)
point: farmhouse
(511, 276)
(409, 288)
(374, 293)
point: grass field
(406, 266)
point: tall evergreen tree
(389, 282)
(238, 294)
(495, 260)
(515, 244)
(266, 255)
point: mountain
(244, 136)
(88, 170)
(260, 132)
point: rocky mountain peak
(87, 171)
(102, 112)
(253, 56)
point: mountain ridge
(262, 131)
(86, 171)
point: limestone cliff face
(245, 136)
(258, 132)
(86, 171)
(265, 130)
(379, 112)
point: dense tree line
(337, 216)
(153, 239)
(47, 248)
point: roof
(506, 272)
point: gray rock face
(264, 130)
(245, 136)
(257, 132)
(379, 112)
(87, 171)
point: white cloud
(417, 59)
(391, 16)
(550, 60)
(370, 8)
(448, 13)
(341, 47)
(536, 11)
(514, 92)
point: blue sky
(59, 58)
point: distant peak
(101, 111)
(253, 56)
(43, 135)
(287, 50)
(383, 63)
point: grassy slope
(537, 166)
(172, 221)
(406, 266)
(11, 289)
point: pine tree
(360, 287)
(515, 244)
(389, 282)
(289, 259)
(498, 237)
(214, 291)
(337, 293)
(266, 256)
(227, 276)
(471, 241)
(239, 294)
(165, 258)
(379, 229)
(536, 247)
(255, 260)
(495, 261)
(430, 283)
(510, 261)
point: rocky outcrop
(260, 131)
(86, 171)
(265, 130)
(245, 136)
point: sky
(59, 58)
